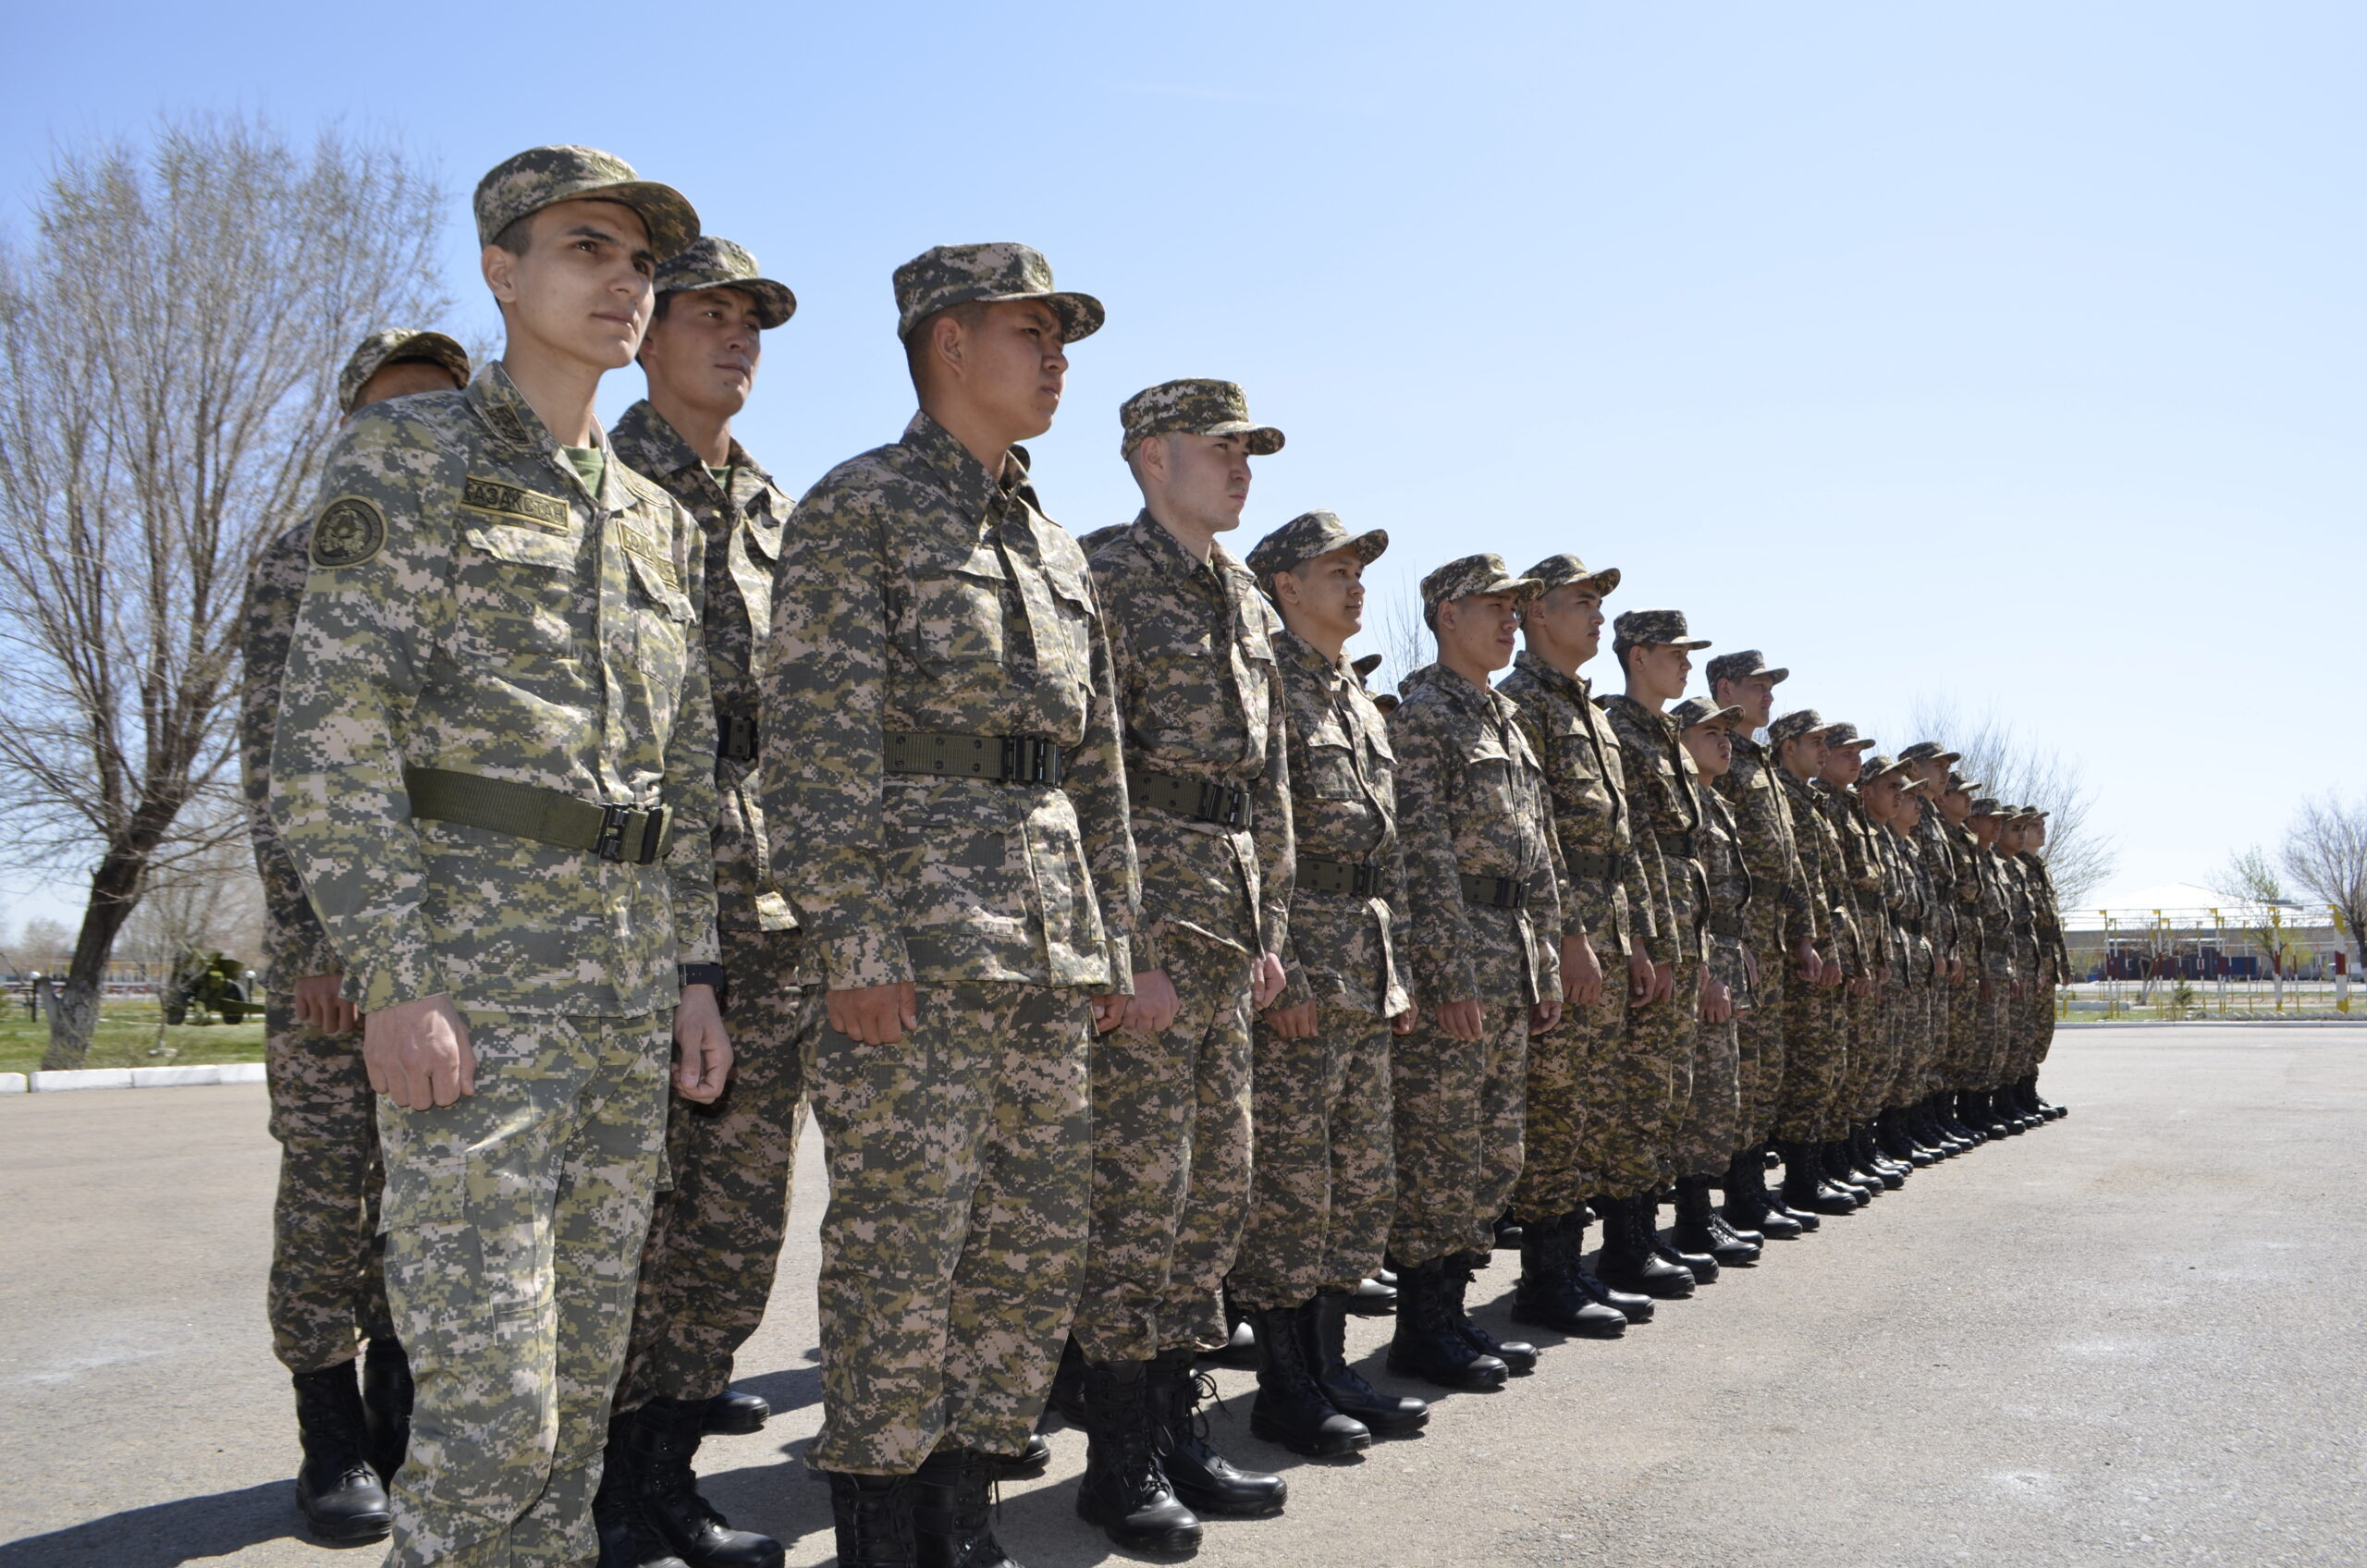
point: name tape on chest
(516, 503)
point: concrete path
(2136, 1336)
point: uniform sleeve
(1276, 837)
(1545, 884)
(690, 770)
(1438, 943)
(1096, 787)
(355, 666)
(1660, 922)
(296, 942)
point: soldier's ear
(500, 270)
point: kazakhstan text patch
(547, 512)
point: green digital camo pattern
(294, 943)
(1710, 1126)
(543, 176)
(1194, 406)
(1782, 914)
(1663, 791)
(1343, 951)
(1459, 1119)
(1170, 1161)
(1323, 1187)
(1909, 1037)
(1557, 571)
(1200, 695)
(1816, 1057)
(2055, 965)
(714, 1237)
(1471, 800)
(514, 1222)
(513, 625)
(954, 274)
(916, 592)
(960, 1165)
(713, 262)
(1302, 539)
(1868, 894)
(1467, 576)
(1663, 796)
(2022, 924)
(327, 1286)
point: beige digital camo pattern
(1709, 1131)
(919, 592)
(1816, 1046)
(955, 275)
(1782, 915)
(713, 262)
(1863, 888)
(473, 607)
(1662, 627)
(1194, 406)
(1323, 1182)
(1302, 539)
(1200, 697)
(1468, 575)
(393, 346)
(543, 176)
(295, 944)
(1471, 800)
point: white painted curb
(12, 1083)
(132, 1078)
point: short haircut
(1619, 649)
(517, 233)
(969, 312)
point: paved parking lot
(2135, 1336)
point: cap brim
(664, 212)
(1368, 546)
(775, 305)
(1774, 677)
(430, 348)
(1263, 440)
(1689, 643)
(1081, 314)
(1720, 717)
(1860, 744)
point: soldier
(1579, 1140)
(1850, 1151)
(327, 1276)
(494, 768)
(1324, 1178)
(1881, 782)
(1815, 1054)
(2029, 954)
(1974, 897)
(1483, 874)
(706, 1270)
(1784, 938)
(1952, 940)
(1710, 1127)
(1655, 652)
(947, 809)
(2055, 969)
(2004, 959)
(1201, 705)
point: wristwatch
(707, 975)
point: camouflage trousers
(715, 1238)
(1874, 1052)
(960, 1162)
(514, 1223)
(2035, 1026)
(1964, 1032)
(1931, 1069)
(328, 1281)
(1911, 1027)
(1656, 1083)
(1575, 1087)
(1759, 1045)
(1816, 1060)
(1708, 1132)
(1996, 1035)
(1460, 1114)
(1325, 1178)
(1171, 1163)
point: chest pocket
(659, 586)
(1072, 598)
(1493, 773)
(1578, 767)
(516, 590)
(955, 613)
(1330, 763)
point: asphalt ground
(2136, 1335)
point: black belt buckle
(617, 820)
(736, 738)
(1364, 881)
(1227, 806)
(1031, 759)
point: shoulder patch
(516, 502)
(349, 531)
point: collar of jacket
(1462, 693)
(648, 441)
(976, 492)
(1570, 688)
(503, 410)
(1308, 656)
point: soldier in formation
(1143, 971)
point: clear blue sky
(2008, 353)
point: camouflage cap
(1800, 722)
(1913, 786)
(395, 346)
(1561, 570)
(1194, 406)
(1878, 767)
(1840, 734)
(1742, 667)
(1305, 537)
(1385, 700)
(1928, 751)
(713, 262)
(543, 176)
(1984, 806)
(1694, 712)
(955, 275)
(2027, 813)
(1468, 575)
(1364, 667)
(1656, 627)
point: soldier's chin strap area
(630, 835)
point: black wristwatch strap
(706, 974)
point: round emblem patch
(349, 531)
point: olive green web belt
(1206, 800)
(622, 833)
(1005, 759)
(1351, 878)
(1496, 892)
(1592, 868)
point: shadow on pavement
(168, 1534)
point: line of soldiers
(1158, 998)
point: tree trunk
(74, 1022)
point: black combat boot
(2040, 1103)
(2002, 1122)
(1629, 1304)
(626, 1538)
(1517, 1355)
(1509, 1233)
(1873, 1162)
(1125, 1490)
(1805, 1187)
(1954, 1139)
(1292, 1408)
(665, 1440)
(952, 1509)
(1955, 1115)
(385, 1404)
(1032, 1459)
(1897, 1139)
(1547, 1294)
(1631, 1260)
(1748, 1206)
(1068, 1384)
(1209, 1484)
(1373, 1298)
(1698, 1229)
(1832, 1160)
(1240, 1350)
(872, 1516)
(1428, 1344)
(1778, 1206)
(339, 1494)
(735, 1413)
(1323, 1329)
(1701, 1265)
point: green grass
(127, 1034)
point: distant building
(2178, 931)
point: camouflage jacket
(2022, 915)
(1860, 884)
(1345, 951)
(473, 608)
(1785, 914)
(1825, 876)
(919, 592)
(741, 531)
(294, 943)
(1471, 800)
(1664, 789)
(1912, 903)
(2052, 945)
(1943, 921)
(1726, 874)
(1603, 892)
(1993, 908)
(1199, 696)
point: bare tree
(2250, 878)
(1400, 636)
(2019, 771)
(2325, 853)
(169, 340)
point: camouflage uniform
(2055, 969)
(1973, 935)
(1935, 861)
(1324, 1179)
(1472, 803)
(1710, 1131)
(1202, 703)
(921, 596)
(1864, 889)
(715, 1238)
(327, 1278)
(2012, 1028)
(1816, 1057)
